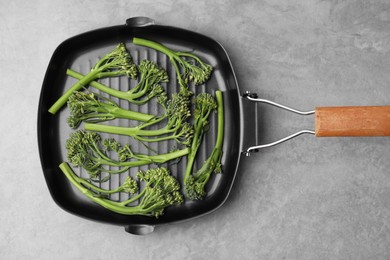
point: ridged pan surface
(80, 53)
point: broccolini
(116, 63)
(150, 77)
(176, 128)
(195, 70)
(194, 184)
(161, 190)
(92, 107)
(88, 150)
(130, 186)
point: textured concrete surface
(305, 199)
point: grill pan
(82, 51)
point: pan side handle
(140, 21)
(352, 121)
(139, 229)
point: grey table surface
(308, 198)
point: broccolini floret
(149, 85)
(93, 108)
(194, 70)
(116, 63)
(160, 190)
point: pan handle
(335, 121)
(140, 21)
(352, 121)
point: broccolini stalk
(91, 107)
(204, 105)
(148, 87)
(86, 149)
(195, 70)
(194, 184)
(161, 190)
(116, 63)
(176, 112)
(129, 185)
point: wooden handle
(352, 121)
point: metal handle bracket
(254, 97)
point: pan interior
(80, 53)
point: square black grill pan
(80, 53)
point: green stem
(105, 112)
(131, 115)
(110, 205)
(101, 154)
(114, 171)
(142, 159)
(142, 101)
(115, 111)
(132, 95)
(155, 139)
(68, 172)
(141, 89)
(216, 154)
(154, 120)
(154, 45)
(221, 119)
(162, 158)
(99, 86)
(94, 118)
(122, 130)
(194, 150)
(77, 86)
(193, 56)
(94, 187)
(130, 200)
(178, 73)
(110, 162)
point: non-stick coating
(79, 53)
